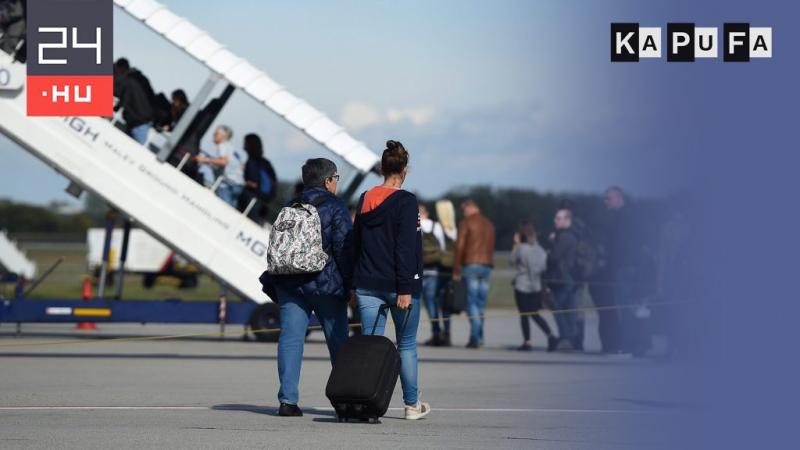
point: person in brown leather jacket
(474, 262)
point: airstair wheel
(265, 317)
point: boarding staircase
(184, 215)
(13, 260)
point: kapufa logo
(685, 42)
(70, 70)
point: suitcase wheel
(373, 420)
(341, 419)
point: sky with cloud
(507, 93)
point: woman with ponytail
(388, 266)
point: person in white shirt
(446, 215)
(433, 247)
(227, 163)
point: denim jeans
(295, 313)
(477, 278)
(229, 193)
(433, 290)
(139, 132)
(369, 302)
(566, 298)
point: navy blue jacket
(389, 246)
(337, 237)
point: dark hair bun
(395, 158)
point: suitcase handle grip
(386, 306)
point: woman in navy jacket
(388, 266)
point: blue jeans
(139, 132)
(229, 193)
(295, 313)
(477, 278)
(566, 298)
(433, 290)
(368, 304)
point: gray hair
(317, 170)
(227, 131)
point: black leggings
(530, 303)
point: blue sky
(509, 93)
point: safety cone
(86, 295)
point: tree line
(506, 207)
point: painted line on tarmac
(519, 410)
(537, 410)
(319, 408)
(104, 408)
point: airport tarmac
(201, 392)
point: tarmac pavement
(206, 393)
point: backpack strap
(360, 203)
(316, 203)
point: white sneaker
(417, 412)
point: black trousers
(528, 303)
(609, 321)
(258, 213)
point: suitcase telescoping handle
(386, 306)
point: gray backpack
(295, 242)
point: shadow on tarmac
(327, 415)
(427, 360)
(273, 411)
(334, 419)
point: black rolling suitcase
(364, 376)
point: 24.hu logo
(685, 42)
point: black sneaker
(434, 341)
(445, 340)
(289, 410)
(473, 344)
(552, 343)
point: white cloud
(297, 142)
(417, 116)
(356, 116)
(359, 115)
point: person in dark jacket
(13, 28)
(562, 275)
(388, 266)
(135, 96)
(582, 232)
(179, 103)
(253, 168)
(323, 293)
(624, 246)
